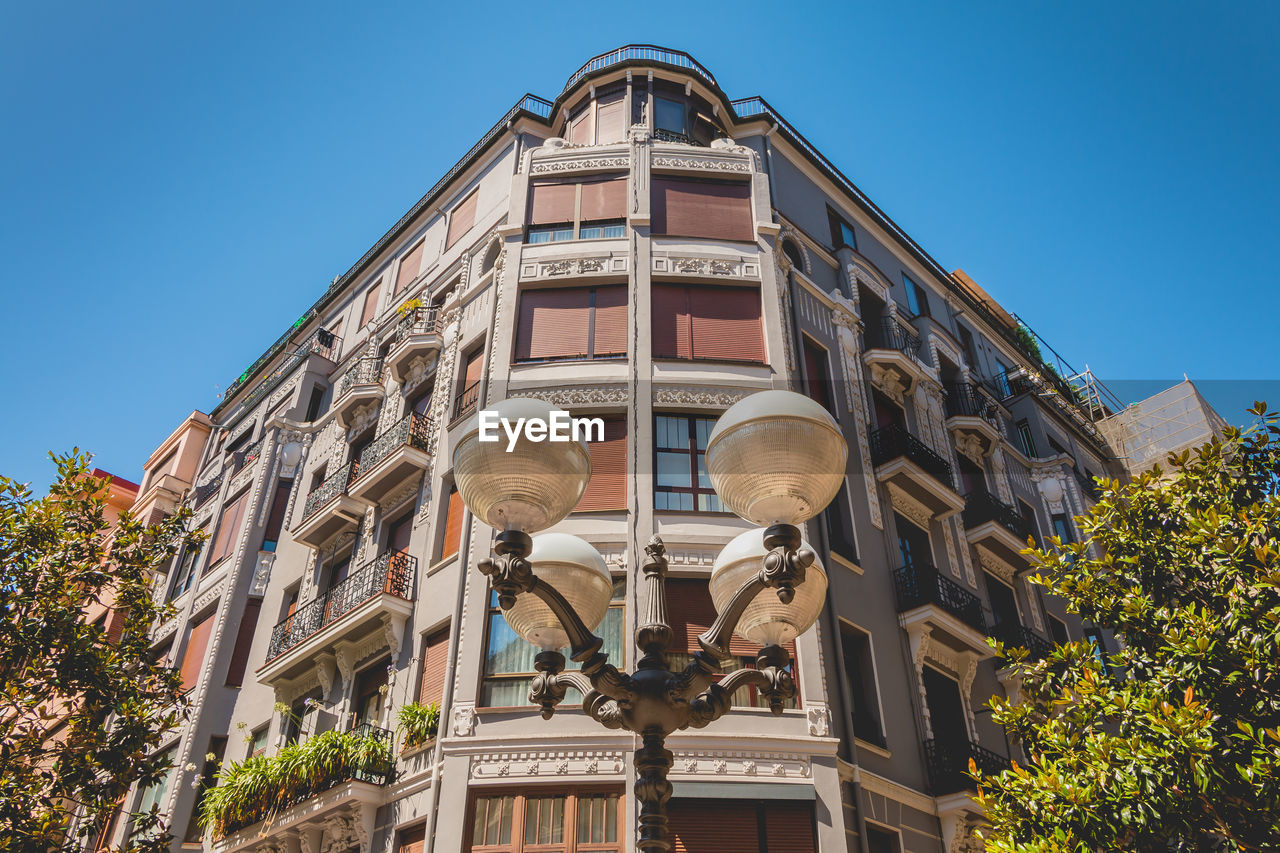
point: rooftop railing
(893, 441)
(917, 586)
(640, 53)
(391, 573)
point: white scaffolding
(1143, 434)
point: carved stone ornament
(420, 368)
(464, 720)
(707, 164)
(364, 417)
(580, 396)
(909, 506)
(574, 164)
(890, 382)
(971, 446)
(262, 573)
(698, 395)
(819, 718)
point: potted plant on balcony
(419, 724)
(409, 306)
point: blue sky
(180, 180)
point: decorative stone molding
(262, 573)
(420, 367)
(996, 566)
(208, 597)
(693, 556)
(464, 720)
(909, 506)
(698, 395)
(558, 267)
(393, 632)
(740, 763)
(718, 267)
(949, 540)
(406, 491)
(890, 382)
(958, 521)
(970, 446)
(558, 165)
(282, 392)
(844, 318)
(598, 395)
(514, 765)
(325, 667)
(860, 272)
(702, 164)
(819, 719)
(364, 417)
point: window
(186, 571)
(1029, 516)
(669, 115)
(258, 740)
(970, 353)
(1026, 438)
(598, 121)
(858, 663)
(469, 393)
(607, 489)
(413, 840)
(756, 826)
(883, 840)
(714, 210)
(917, 297)
(452, 524)
(555, 822)
(435, 661)
(461, 218)
(313, 405)
(368, 698)
(508, 662)
(840, 534)
(707, 323)
(681, 481)
(228, 527)
(208, 779)
(410, 266)
(841, 231)
(690, 613)
(275, 521)
(1062, 528)
(817, 382)
(244, 642)
(913, 543)
(572, 322)
(370, 309)
(153, 796)
(1058, 630)
(588, 209)
(300, 722)
(193, 654)
(1094, 636)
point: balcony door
(972, 478)
(398, 533)
(946, 711)
(887, 412)
(1004, 606)
(913, 543)
(367, 699)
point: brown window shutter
(435, 659)
(604, 199)
(691, 612)
(228, 526)
(370, 303)
(608, 487)
(413, 840)
(410, 264)
(115, 624)
(714, 826)
(580, 131)
(726, 323)
(279, 505)
(462, 218)
(672, 335)
(815, 372)
(609, 125)
(244, 641)
(789, 826)
(452, 524)
(193, 657)
(611, 321)
(475, 366)
(552, 202)
(554, 323)
(716, 211)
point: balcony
(416, 336)
(329, 509)
(362, 383)
(973, 417)
(892, 356)
(1088, 487)
(371, 604)
(337, 797)
(1020, 636)
(906, 462)
(467, 401)
(948, 765)
(996, 526)
(209, 489)
(397, 454)
(950, 613)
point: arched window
(792, 251)
(490, 257)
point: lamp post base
(653, 763)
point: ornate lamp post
(775, 458)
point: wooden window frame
(570, 843)
(690, 449)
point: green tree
(80, 712)
(1172, 743)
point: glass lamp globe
(776, 457)
(575, 570)
(531, 487)
(766, 620)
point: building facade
(646, 250)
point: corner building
(646, 250)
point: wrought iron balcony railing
(893, 441)
(419, 321)
(412, 430)
(980, 506)
(366, 371)
(1014, 634)
(1005, 385)
(917, 586)
(1087, 485)
(391, 573)
(241, 459)
(948, 765)
(660, 135)
(335, 485)
(321, 342)
(467, 400)
(893, 335)
(209, 489)
(966, 400)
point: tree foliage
(80, 712)
(1174, 743)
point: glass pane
(710, 503)
(477, 829)
(611, 818)
(672, 433)
(508, 810)
(492, 824)
(531, 821)
(614, 231)
(619, 588)
(704, 482)
(669, 115)
(702, 428)
(584, 819)
(508, 652)
(673, 469)
(505, 692)
(557, 820)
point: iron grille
(980, 506)
(467, 400)
(391, 573)
(412, 430)
(894, 441)
(966, 400)
(366, 371)
(917, 586)
(335, 485)
(1013, 634)
(661, 135)
(424, 320)
(893, 335)
(209, 489)
(948, 765)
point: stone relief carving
(464, 720)
(890, 382)
(710, 164)
(819, 719)
(571, 397)
(844, 318)
(909, 506)
(574, 164)
(698, 395)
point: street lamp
(775, 458)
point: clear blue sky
(181, 180)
